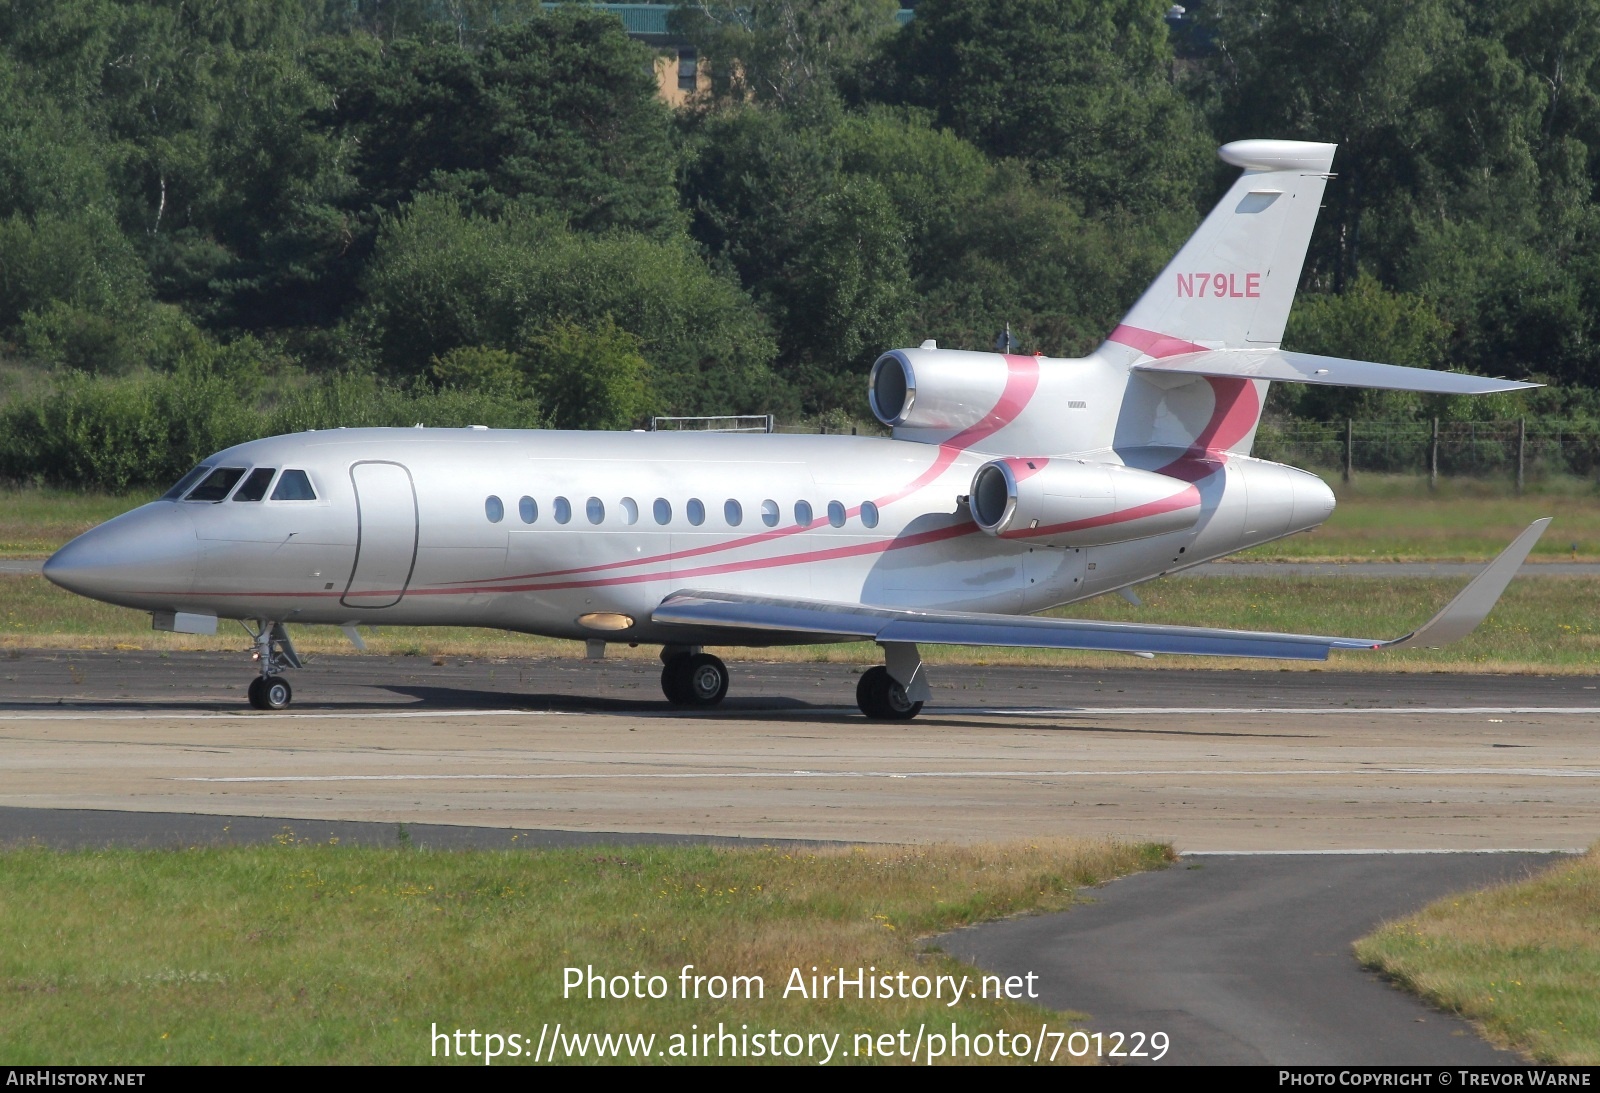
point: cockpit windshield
(255, 486)
(216, 485)
(185, 482)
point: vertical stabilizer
(1232, 284)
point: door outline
(355, 565)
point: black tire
(882, 699)
(257, 699)
(698, 680)
(276, 694)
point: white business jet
(1012, 483)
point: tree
(591, 377)
(787, 53)
(1081, 90)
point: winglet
(1472, 605)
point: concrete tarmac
(1208, 760)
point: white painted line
(1376, 852)
(1518, 772)
(182, 715)
(1065, 711)
(756, 715)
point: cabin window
(255, 484)
(769, 513)
(869, 514)
(217, 485)
(836, 513)
(595, 509)
(293, 485)
(563, 510)
(185, 482)
(695, 510)
(732, 512)
(802, 513)
(528, 509)
(630, 511)
(662, 510)
(494, 509)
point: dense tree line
(225, 218)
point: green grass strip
(299, 953)
(1522, 960)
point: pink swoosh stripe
(1236, 410)
(1152, 343)
(1022, 382)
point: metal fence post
(1349, 448)
(1433, 457)
(1522, 448)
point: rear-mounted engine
(939, 389)
(1068, 502)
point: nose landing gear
(273, 653)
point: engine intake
(1076, 503)
(942, 389)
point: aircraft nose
(151, 550)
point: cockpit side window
(255, 484)
(294, 486)
(185, 482)
(217, 485)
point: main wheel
(697, 680)
(882, 699)
(256, 686)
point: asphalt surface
(1237, 958)
(1247, 960)
(93, 829)
(123, 680)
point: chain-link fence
(1519, 450)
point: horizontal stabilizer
(789, 618)
(1282, 366)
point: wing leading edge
(1282, 366)
(842, 621)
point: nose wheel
(273, 653)
(694, 679)
(270, 693)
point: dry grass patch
(322, 954)
(1522, 960)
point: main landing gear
(896, 690)
(273, 653)
(692, 678)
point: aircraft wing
(1278, 365)
(843, 621)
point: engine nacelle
(1070, 502)
(940, 389)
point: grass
(1521, 960)
(1398, 519)
(36, 521)
(1541, 625)
(323, 954)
